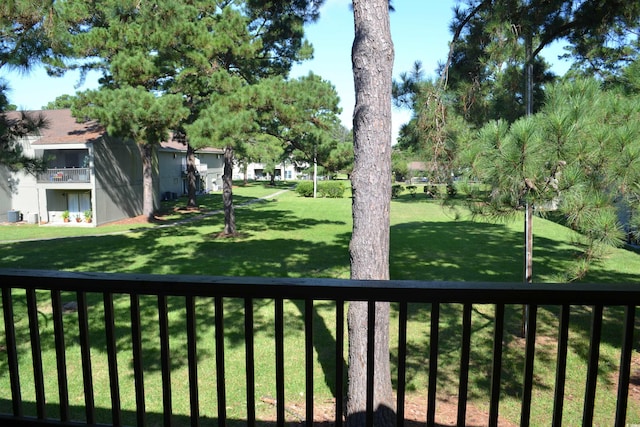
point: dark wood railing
(249, 290)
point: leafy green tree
(197, 51)
(486, 68)
(137, 114)
(296, 112)
(27, 33)
(577, 156)
(400, 164)
(24, 41)
(61, 102)
(340, 155)
(227, 121)
(302, 113)
(252, 42)
(132, 44)
(12, 130)
(270, 152)
(493, 38)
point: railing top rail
(325, 289)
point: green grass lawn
(290, 236)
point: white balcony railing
(65, 175)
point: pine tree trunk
(146, 155)
(191, 177)
(372, 57)
(227, 193)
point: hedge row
(329, 189)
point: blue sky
(419, 28)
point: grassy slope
(291, 237)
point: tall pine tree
(197, 52)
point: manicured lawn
(289, 236)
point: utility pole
(528, 214)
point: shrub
(396, 189)
(451, 190)
(331, 189)
(305, 188)
(431, 191)
(412, 190)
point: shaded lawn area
(289, 236)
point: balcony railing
(27, 287)
(65, 175)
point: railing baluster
(592, 367)
(36, 352)
(402, 361)
(625, 365)
(433, 363)
(165, 359)
(371, 348)
(85, 351)
(279, 334)
(561, 365)
(138, 363)
(61, 358)
(220, 373)
(308, 344)
(339, 362)
(621, 295)
(112, 358)
(528, 365)
(465, 352)
(192, 357)
(12, 352)
(497, 365)
(250, 362)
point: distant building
(88, 170)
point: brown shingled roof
(64, 129)
(177, 145)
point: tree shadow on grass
(176, 250)
(325, 343)
(104, 417)
(419, 250)
(468, 251)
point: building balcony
(65, 175)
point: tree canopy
(579, 157)
(24, 41)
(198, 52)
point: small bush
(451, 190)
(305, 188)
(431, 191)
(331, 189)
(412, 190)
(396, 189)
